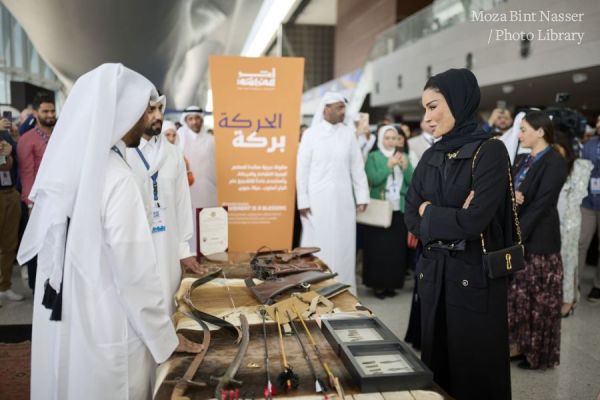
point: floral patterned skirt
(534, 301)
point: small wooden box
(385, 367)
(355, 330)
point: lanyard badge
(158, 224)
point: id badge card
(5, 179)
(158, 224)
(595, 186)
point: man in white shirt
(99, 322)
(332, 187)
(160, 169)
(199, 149)
(419, 144)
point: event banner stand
(256, 108)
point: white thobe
(110, 337)
(175, 208)
(331, 181)
(199, 149)
(418, 145)
(366, 145)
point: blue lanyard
(529, 161)
(154, 176)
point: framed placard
(212, 230)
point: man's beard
(150, 131)
(47, 123)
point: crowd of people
(433, 203)
(464, 187)
(23, 144)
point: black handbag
(504, 262)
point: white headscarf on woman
(170, 126)
(328, 98)
(103, 105)
(380, 136)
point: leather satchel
(271, 265)
(378, 213)
(267, 291)
(504, 262)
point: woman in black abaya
(463, 312)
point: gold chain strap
(512, 197)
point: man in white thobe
(199, 149)
(99, 322)
(160, 168)
(332, 187)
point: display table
(228, 298)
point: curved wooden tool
(228, 381)
(182, 384)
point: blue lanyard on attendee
(529, 161)
(154, 176)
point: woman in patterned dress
(569, 202)
(535, 293)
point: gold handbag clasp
(508, 261)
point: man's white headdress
(103, 105)
(191, 110)
(511, 137)
(181, 132)
(328, 98)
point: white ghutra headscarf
(103, 105)
(185, 129)
(328, 98)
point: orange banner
(256, 108)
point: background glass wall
(19, 60)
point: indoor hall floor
(576, 378)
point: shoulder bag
(506, 261)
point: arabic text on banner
(256, 108)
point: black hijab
(461, 91)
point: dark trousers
(10, 213)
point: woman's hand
(403, 162)
(5, 148)
(519, 198)
(469, 199)
(394, 160)
(422, 207)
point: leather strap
(266, 291)
(207, 317)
